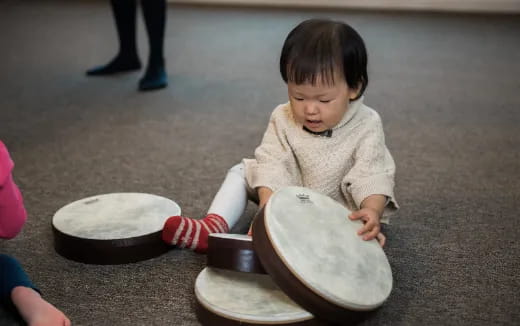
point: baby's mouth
(313, 122)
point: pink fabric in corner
(12, 210)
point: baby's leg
(17, 289)
(11, 276)
(230, 202)
(227, 207)
(35, 310)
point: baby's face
(320, 107)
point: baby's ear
(354, 92)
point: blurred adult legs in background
(127, 59)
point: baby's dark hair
(316, 48)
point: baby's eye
(325, 101)
(298, 98)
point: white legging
(230, 202)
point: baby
(324, 139)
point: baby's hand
(372, 227)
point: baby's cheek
(298, 118)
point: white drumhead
(316, 240)
(115, 216)
(246, 297)
(240, 237)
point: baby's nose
(311, 109)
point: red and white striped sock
(185, 232)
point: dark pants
(11, 276)
(154, 12)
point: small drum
(234, 298)
(311, 250)
(113, 228)
(234, 252)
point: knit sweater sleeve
(12, 210)
(374, 168)
(274, 166)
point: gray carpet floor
(446, 86)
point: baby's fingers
(367, 227)
(381, 239)
(371, 232)
(356, 215)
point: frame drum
(233, 298)
(115, 228)
(234, 252)
(310, 248)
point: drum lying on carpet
(234, 298)
(233, 252)
(310, 248)
(115, 228)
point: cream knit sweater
(351, 165)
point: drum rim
(233, 254)
(106, 195)
(109, 252)
(292, 285)
(242, 319)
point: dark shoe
(115, 66)
(154, 78)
